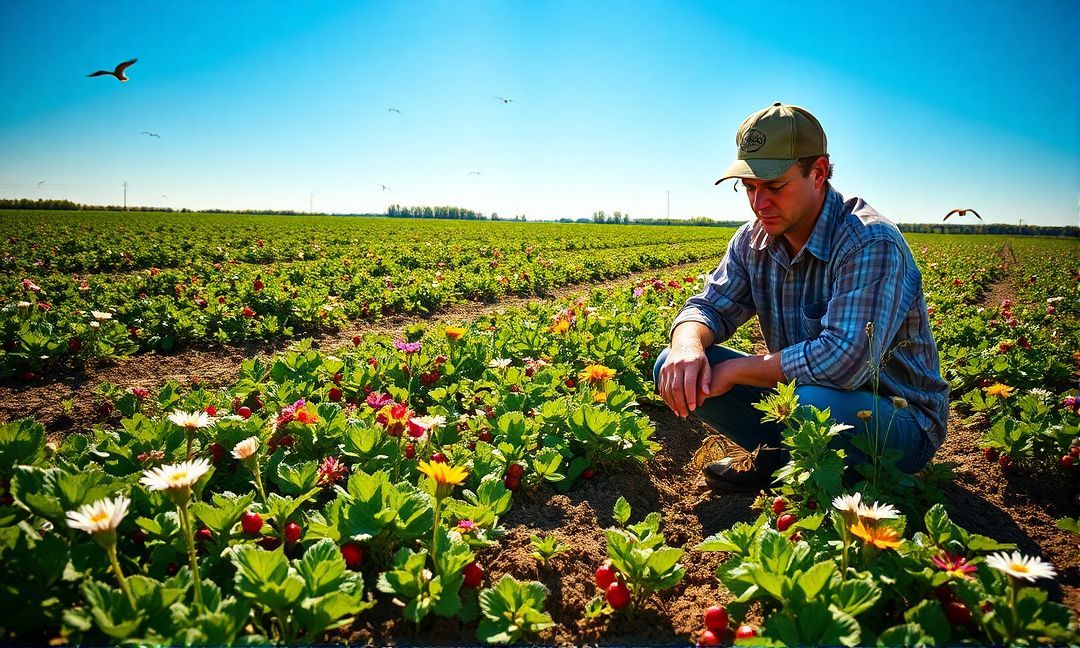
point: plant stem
(186, 527)
(190, 440)
(435, 535)
(258, 477)
(111, 550)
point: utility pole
(125, 195)
(668, 204)
(311, 204)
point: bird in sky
(961, 212)
(393, 110)
(150, 134)
(164, 196)
(475, 173)
(40, 183)
(118, 72)
(384, 187)
(504, 100)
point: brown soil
(219, 365)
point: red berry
(785, 521)
(605, 575)
(990, 454)
(251, 523)
(356, 340)
(571, 383)
(484, 436)
(211, 410)
(286, 441)
(244, 411)
(203, 534)
(515, 470)
(716, 618)
(353, 554)
(335, 394)
(588, 473)
(944, 594)
(1075, 451)
(513, 483)
(217, 451)
(269, 542)
(957, 613)
(709, 638)
(258, 284)
(1068, 461)
(1004, 461)
(75, 344)
(338, 378)
(410, 451)
(778, 505)
(812, 505)
(745, 632)
(27, 376)
(292, 532)
(438, 457)
(474, 575)
(617, 595)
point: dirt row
(66, 401)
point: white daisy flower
(500, 363)
(190, 420)
(101, 516)
(175, 477)
(101, 316)
(878, 512)
(848, 503)
(246, 448)
(1020, 566)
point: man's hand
(685, 376)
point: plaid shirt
(814, 308)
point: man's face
(787, 203)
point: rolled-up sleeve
(867, 287)
(726, 301)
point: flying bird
(961, 212)
(164, 196)
(150, 134)
(118, 72)
(504, 100)
(475, 173)
(384, 187)
(40, 183)
(393, 110)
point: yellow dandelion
(562, 326)
(596, 374)
(454, 333)
(880, 537)
(999, 389)
(444, 475)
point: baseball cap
(772, 139)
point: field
(421, 432)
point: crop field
(228, 429)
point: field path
(219, 365)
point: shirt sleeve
(868, 287)
(726, 301)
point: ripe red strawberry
(778, 505)
(745, 632)
(605, 575)
(957, 613)
(251, 522)
(203, 534)
(269, 542)
(716, 618)
(244, 411)
(588, 473)
(1068, 461)
(1075, 451)
(474, 575)
(617, 595)
(709, 638)
(410, 450)
(785, 521)
(356, 340)
(353, 554)
(217, 451)
(990, 454)
(1005, 461)
(258, 285)
(211, 410)
(338, 378)
(484, 436)
(515, 470)
(513, 483)
(571, 383)
(438, 457)
(292, 532)
(335, 394)
(27, 376)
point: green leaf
(265, 576)
(814, 579)
(855, 596)
(931, 619)
(322, 568)
(21, 442)
(294, 479)
(621, 513)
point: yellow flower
(597, 374)
(599, 397)
(454, 333)
(562, 326)
(880, 537)
(998, 389)
(444, 475)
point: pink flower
(1006, 304)
(140, 393)
(377, 401)
(466, 526)
(955, 565)
(30, 285)
(406, 347)
(331, 471)
(638, 292)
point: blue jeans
(734, 416)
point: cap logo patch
(752, 141)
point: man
(815, 269)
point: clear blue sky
(927, 105)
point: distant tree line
(452, 213)
(1067, 231)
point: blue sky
(282, 105)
